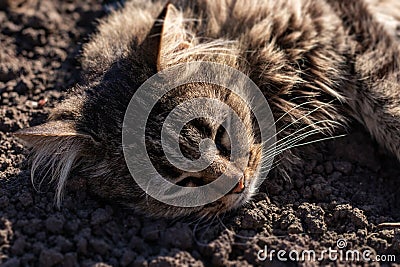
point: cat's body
(318, 63)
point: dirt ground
(341, 193)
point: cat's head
(83, 138)
(217, 126)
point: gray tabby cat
(319, 63)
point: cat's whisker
(318, 140)
(196, 219)
(206, 222)
(310, 142)
(276, 164)
(281, 143)
(198, 242)
(293, 108)
(289, 143)
(302, 117)
(233, 232)
(319, 129)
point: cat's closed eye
(223, 142)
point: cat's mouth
(195, 182)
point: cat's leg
(376, 101)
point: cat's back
(387, 12)
(291, 28)
(117, 34)
(252, 23)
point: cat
(319, 64)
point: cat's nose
(239, 187)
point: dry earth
(342, 192)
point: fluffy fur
(318, 63)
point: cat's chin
(233, 201)
(227, 203)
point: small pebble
(343, 167)
(50, 257)
(54, 224)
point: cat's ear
(60, 129)
(56, 147)
(173, 36)
(168, 35)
